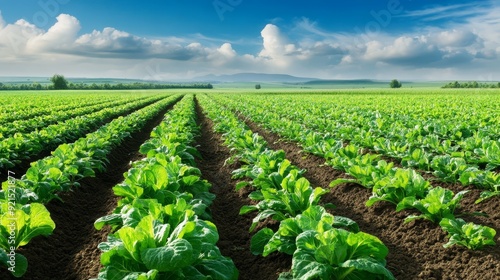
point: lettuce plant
(404, 183)
(316, 218)
(465, 234)
(156, 250)
(439, 203)
(338, 254)
(294, 197)
(18, 225)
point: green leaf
(247, 209)
(171, 257)
(36, 222)
(366, 268)
(259, 240)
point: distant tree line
(105, 86)
(473, 84)
(59, 82)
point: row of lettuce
(161, 227)
(26, 123)
(323, 246)
(455, 149)
(23, 215)
(24, 146)
(403, 187)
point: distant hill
(253, 77)
(353, 82)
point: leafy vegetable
(439, 203)
(469, 235)
(315, 218)
(338, 254)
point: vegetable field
(196, 184)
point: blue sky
(175, 39)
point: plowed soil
(235, 238)
(71, 251)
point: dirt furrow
(234, 239)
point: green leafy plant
(154, 250)
(265, 241)
(294, 197)
(465, 234)
(448, 168)
(439, 203)
(338, 254)
(404, 183)
(18, 225)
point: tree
(257, 86)
(59, 82)
(395, 84)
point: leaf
(38, 223)
(370, 266)
(259, 240)
(247, 209)
(337, 182)
(171, 257)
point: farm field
(180, 184)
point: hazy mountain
(253, 77)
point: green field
(194, 183)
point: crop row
(24, 106)
(27, 125)
(161, 227)
(415, 144)
(24, 146)
(404, 188)
(323, 246)
(23, 214)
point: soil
(71, 251)
(234, 241)
(415, 249)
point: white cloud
(403, 50)
(14, 37)
(227, 50)
(456, 38)
(276, 46)
(60, 36)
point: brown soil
(415, 249)
(234, 239)
(71, 251)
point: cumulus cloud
(275, 45)
(226, 50)
(456, 38)
(403, 50)
(60, 36)
(14, 37)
